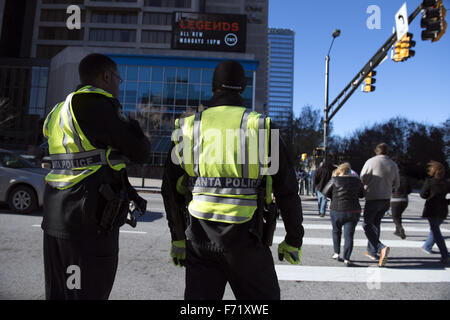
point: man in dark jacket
(80, 256)
(321, 178)
(218, 252)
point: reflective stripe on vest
(73, 156)
(225, 191)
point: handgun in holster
(137, 205)
(270, 218)
(116, 209)
(267, 217)
(121, 207)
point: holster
(266, 218)
(116, 212)
(270, 224)
(116, 209)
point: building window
(113, 17)
(58, 15)
(112, 35)
(159, 19)
(114, 0)
(63, 1)
(39, 80)
(156, 36)
(24, 88)
(56, 33)
(168, 3)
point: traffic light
(402, 49)
(433, 20)
(368, 82)
(397, 52)
(304, 155)
(318, 152)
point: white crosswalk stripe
(365, 271)
(366, 275)
(358, 242)
(360, 228)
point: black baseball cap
(229, 75)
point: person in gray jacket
(379, 176)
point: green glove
(292, 255)
(178, 252)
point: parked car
(21, 182)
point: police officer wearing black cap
(218, 236)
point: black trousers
(80, 269)
(249, 270)
(397, 209)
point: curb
(147, 190)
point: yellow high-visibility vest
(73, 156)
(224, 150)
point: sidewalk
(150, 185)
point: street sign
(401, 21)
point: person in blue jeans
(344, 189)
(321, 178)
(379, 175)
(435, 209)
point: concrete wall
(63, 74)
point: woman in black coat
(435, 210)
(344, 189)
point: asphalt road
(146, 272)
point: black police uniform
(71, 217)
(217, 252)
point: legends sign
(209, 32)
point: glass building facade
(23, 90)
(158, 90)
(281, 75)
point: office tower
(281, 75)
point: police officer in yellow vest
(221, 159)
(90, 140)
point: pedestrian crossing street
(407, 263)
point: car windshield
(10, 160)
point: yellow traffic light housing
(397, 52)
(368, 82)
(433, 20)
(406, 44)
(318, 152)
(402, 49)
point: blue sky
(418, 89)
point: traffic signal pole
(347, 92)
(326, 121)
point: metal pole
(325, 121)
